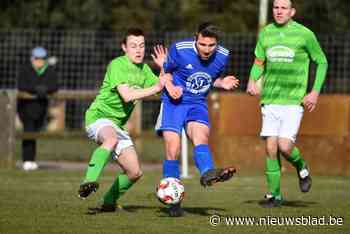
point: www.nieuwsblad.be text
(216, 220)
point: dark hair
(132, 32)
(207, 29)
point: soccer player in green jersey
(283, 53)
(127, 79)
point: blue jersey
(194, 75)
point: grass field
(45, 201)
(150, 149)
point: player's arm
(175, 92)
(171, 63)
(159, 56)
(129, 94)
(256, 72)
(315, 51)
(227, 83)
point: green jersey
(108, 103)
(286, 51)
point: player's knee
(110, 143)
(271, 150)
(172, 151)
(135, 175)
(171, 154)
(285, 148)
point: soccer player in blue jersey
(196, 66)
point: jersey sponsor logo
(198, 82)
(280, 54)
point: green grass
(45, 201)
(150, 149)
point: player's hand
(253, 88)
(163, 79)
(159, 55)
(310, 100)
(175, 92)
(229, 82)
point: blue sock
(202, 158)
(171, 169)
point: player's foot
(271, 201)
(175, 210)
(103, 209)
(305, 180)
(86, 189)
(213, 176)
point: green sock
(118, 188)
(296, 160)
(98, 161)
(273, 176)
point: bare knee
(110, 143)
(271, 147)
(172, 145)
(134, 175)
(171, 152)
(285, 147)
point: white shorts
(281, 120)
(124, 140)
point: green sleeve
(151, 79)
(257, 71)
(115, 74)
(259, 49)
(317, 55)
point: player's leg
(106, 135)
(171, 165)
(273, 173)
(198, 131)
(293, 155)
(269, 131)
(130, 165)
(170, 122)
(288, 132)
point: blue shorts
(174, 117)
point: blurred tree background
(163, 15)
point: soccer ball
(170, 191)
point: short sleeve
(171, 62)
(151, 78)
(114, 74)
(225, 66)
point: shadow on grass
(162, 211)
(202, 211)
(296, 203)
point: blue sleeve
(171, 61)
(224, 65)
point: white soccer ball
(170, 191)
